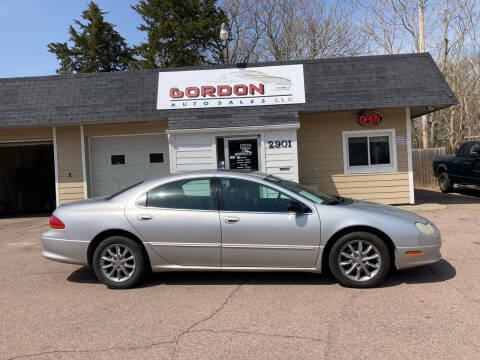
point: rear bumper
(430, 254)
(63, 250)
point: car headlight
(427, 229)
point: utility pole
(445, 39)
(421, 43)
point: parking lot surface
(58, 311)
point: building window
(156, 158)
(367, 151)
(118, 159)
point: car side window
(474, 149)
(194, 194)
(245, 195)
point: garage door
(119, 161)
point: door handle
(144, 217)
(231, 219)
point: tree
(291, 29)
(96, 46)
(245, 30)
(457, 52)
(452, 30)
(179, 32)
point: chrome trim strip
(265, 246)
(182, 244)
(235, 246)
(56, 239)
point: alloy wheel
(117, 262)
(359, 260)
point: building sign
(243, 154)
(267, 85)
(370, 119)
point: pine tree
(179, 32)
(96, 46)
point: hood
(386, 210)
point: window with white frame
(369, 151)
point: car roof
(186, 174)
(248, 173)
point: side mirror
(297, 208)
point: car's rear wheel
(359, 260)
(445, 183)
(119, 262)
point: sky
(28, 26)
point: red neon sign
(370, 119)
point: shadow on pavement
(460, 195)
(86, 275)
(438, 272)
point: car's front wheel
(359, 260)
(119, 262)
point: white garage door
(119, 161)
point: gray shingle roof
(351, 83)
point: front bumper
(62, 250)
(430, 254)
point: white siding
(282, 162)
(191, 152)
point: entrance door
(242, 153)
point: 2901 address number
(280, 144)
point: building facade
(337, 125)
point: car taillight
(55, 223)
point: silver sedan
(231, 221)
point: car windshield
(114, 195)
(315, 196)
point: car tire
(119, 262)
(445, 183)
(359, 260)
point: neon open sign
(370, 119)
